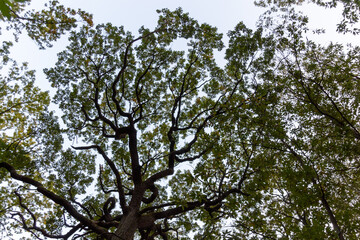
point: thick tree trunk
(127, 227)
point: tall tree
(145, 110)
(314, 137)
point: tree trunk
(332, 217)
(127, 227)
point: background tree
(24, 116)
(43, 26)
(350, 11)
(22, 102)
(312, 193)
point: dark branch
(114, 170)
(54, 197)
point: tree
(43, 26)
(166, 143)
(24, 116)
(23, 104)
(350, 11)
(314, 136)
(144, 109)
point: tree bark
(332, 217)
(127, 227)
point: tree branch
(114, 170)
(54, 197)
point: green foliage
(43, 26)
(350, 11)
(23, 104)
(8, 8)
(314, 138)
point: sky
(132, 15)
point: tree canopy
(167, 144)
(350, 10)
